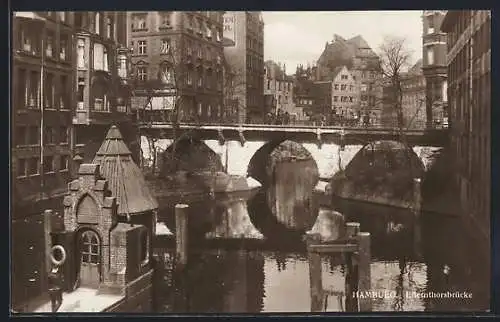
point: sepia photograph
(195, 162)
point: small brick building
(109, 223)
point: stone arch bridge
(240, 147)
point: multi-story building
(413, 97)
(434, 66)
(344, 93)
(469, 90)
(177, 58)
(244, 54)
(42, 87)
(304, 92)
(363, 64)
(102, 97)
(278, 84)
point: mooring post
(351, 280)
(364, 270)
(315, 278)
(47, 230)
(181, 234)
(417, 210)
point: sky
(299, 37)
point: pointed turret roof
(125, 179)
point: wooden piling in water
(351, 273)
(181, 235)
(364, 270)
(417, 210)
(315, 274)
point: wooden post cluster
(181, 235)
(356, 248)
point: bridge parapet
(300, 133)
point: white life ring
(63, 255)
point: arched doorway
(90, 258)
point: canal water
(272, 275)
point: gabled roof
(125, 179)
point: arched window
(90, 248)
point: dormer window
(139, 22)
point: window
(364, 87)
(63, 134)
(63, 47)
(209, 110)
(430, 24)
(189, 77)
(209, 31)
(199, 109)
(166, 74)
(268, 84)
(49, 45)
(98, 57)
(350, 99)
(200, 77)
(109, 27)
(343, 87)
(26, 42)
(32, 166)
(343, 77)
(219, 35)
(33, 135)
(48, 164)
(50, 91)
(335, 98)
(336, 87)
(351, 88)
(63, 93)
(122, 66)
(430, 55)
(142, 73)
(97, 23)
(445, 91)
(63, 162)
(80, 53)
(165, 19)
(21, 132)
(165, 46)
(22, 88)
(139, 22)
(49, 134)
(21, 167)
(62, 16)
(90, 248)
(199, 52)
(105, 59)
(142, 47)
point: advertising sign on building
(229, 33)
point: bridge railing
(165, 118)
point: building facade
(177, 60)
(42, 100)
(364, 65)
(413, 97)
(469, 77)
(244, 54)
(434, 66)
(102, 96)
(280, 86)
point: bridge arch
(190, 154)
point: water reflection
(273, 277)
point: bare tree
(395, 59)
(164, 93)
